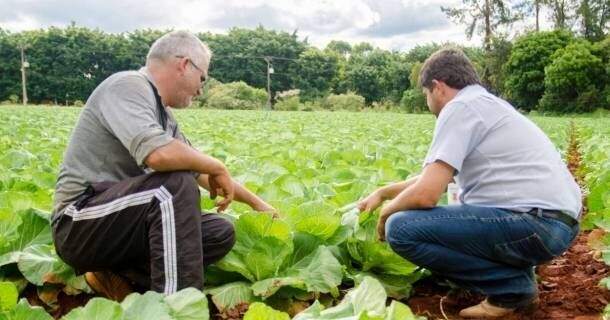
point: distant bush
(602, 50)
(348, 101)
(413, 101)
(574, 81)
(524, 70)
(287, 101)
(384, 106)
(232, 96)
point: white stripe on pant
(167, 218)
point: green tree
(10, 64)
(594, 16)
(316, 70)
(483, 16)
(574, 80)
(420, 53)
(496, 59)
(530, 54)
(413, 99)
(341, 47)
(601, 50)
(377, 74)
(239, 56)
(563, 13)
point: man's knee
(218, 237)
(180, 184)
(225, 234)
(400, 233)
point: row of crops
(595, 169)
(320, 260)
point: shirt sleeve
(129, 113)
(459, 129)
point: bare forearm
(408, 199)
(177, 155)
(391, 191)
(242, 194)
(425, 191)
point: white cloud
(390, 24)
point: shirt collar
(147, 75)
(467, 89)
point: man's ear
(182, 65)
(434, 85)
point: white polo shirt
(502, 158)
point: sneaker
(485, 310)
(108, 285)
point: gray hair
(180, 43)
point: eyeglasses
(203, 77)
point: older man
(127, 196)
(520, 203)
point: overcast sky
(389, 24)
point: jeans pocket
(526, 252)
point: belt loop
(539, 212)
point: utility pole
(269, 72)
(24, 64)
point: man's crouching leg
(174, 234)
(217, 237)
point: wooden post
(268, 59)
(24, 90)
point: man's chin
(185, 104)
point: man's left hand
(384, 214)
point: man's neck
(159, 80)
(449, 94)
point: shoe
(485, 310)
(108, 285)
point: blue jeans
(488, 250)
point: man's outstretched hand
(222, 184)
(371, 202)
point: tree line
(562, 70)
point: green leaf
(396, 286)
(318, 272)
(97, 309)
(17, 159)
(188, 304)
(260, 311)
(32, 230)
(16, 200)
(23, 311)
(399, 311)
(230, 295)
(8, 295)
(262, 245)
(372, 254)
(366, 299)
(148, 306)
(40, 264)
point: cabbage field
(319, 260)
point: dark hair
(451, 66)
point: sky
(388, 24)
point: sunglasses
(203, 76)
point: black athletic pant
(148, 225)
